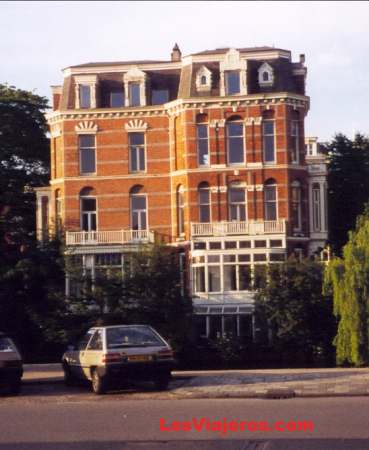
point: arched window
(202, 140)
(204, 202)
(268, 137)
(203, 79)
(317, 220)
(58, 212)
(138, 205)
(237, 203)
(296, 205)
(270, 200)
(235, 140)
(265, 76)
(180, 210)
(88, 209)
(295, 137)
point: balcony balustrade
(109, 237)
(251, 228)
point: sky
(38, 39)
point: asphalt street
(49, 417)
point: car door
(76, 357)
(92, 356)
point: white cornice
(177, 106)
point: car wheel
(98, 383)
(15, 387)
(162, 382)
(69, 379)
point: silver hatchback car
(108, 355)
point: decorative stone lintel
(136, 125)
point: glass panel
(213, 258)
(277, 257)
(237, 195)
(141, 152)
(204, 213)
(199, 275)
(260, 244)
(85, 224)
(260, 277)
(235, 150)
(199, 245)
(138, 202)
(136, 138)
(230, 244)
(245, 244)
(229, 277)
(133, 157)
(268, 138)
(244, 277)
(86, 140)
(233, 82)
(229, 258)
(88, 163)
(243, 258)
(159, 96)
(246, 326)
(215, 245)
(116, 99)
(275, 243)
(214, 278)
(96, 342)
(129, 336)
(230, 325)
(260, 257)
(88, 204)
(92, 222)
(85, 96)
(134, 94)
(215, 326)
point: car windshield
(132, 337)
(6, 345)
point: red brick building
(204, 152)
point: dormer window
(232, 82)
(134, 94)
(85, 96)
(203, 79)
(266, 75)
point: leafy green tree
(296, 311)
(24, 163)
(151, 291)
(347, 278)
(348, 183)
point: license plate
(139, 358)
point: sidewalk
(242, 383)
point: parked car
(111, 354)
(11, 367)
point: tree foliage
(151, 291)
(347, 278)
(296, 311)
(348, 183)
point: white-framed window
(237, 204)
(58, 211)
(295, 141)
(204, 203)
(202, 144)
(87, 153)
(85, 96)
(268, 141)
(235, 143)
(317, 220)
(137, 159)
(116, 98)
(180, 210)
(88, 213)
(265, 75)
(232, 82)
(296, 205)
(134, 94)
(270, 200)
(138, 211)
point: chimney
(176, 54)
(302, 58)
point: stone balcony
(251, 228)
(109, 237)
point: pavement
(271, 383)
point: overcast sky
(38, 39)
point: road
(51, 417)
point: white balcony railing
(238, 228)
(109, 237)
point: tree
(347, 278)
(24, 163)
(151, 291)
(296, 311)
(348, 186)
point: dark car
(109, 355)
(11, 367)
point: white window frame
(295, 153)
(140, 211)
(136, 147)
(243, 143)
(80, 154)
(88, 213)
(296, 186)
(238, 205)
(202, 139)
(180, 209)
(204, 188)
(274, 141)
(276, 201)
(316, 207)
